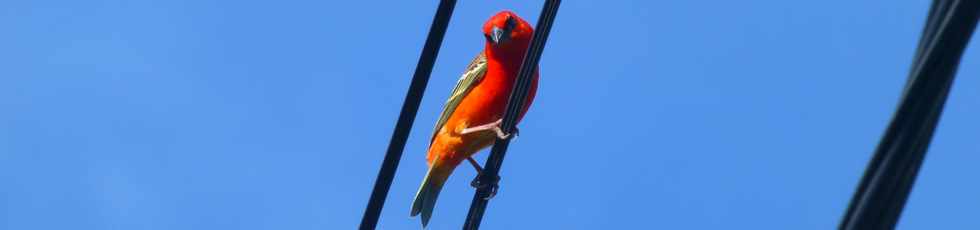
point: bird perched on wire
(471, 118)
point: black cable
(889, 177)
(489, 177)
(409, 109)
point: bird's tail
(425, 199)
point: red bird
(472, 116)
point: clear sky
(276, 115)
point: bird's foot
(492, 126)
(480, 186)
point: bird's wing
(474, 73)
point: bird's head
(505, 31)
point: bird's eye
(510, 23)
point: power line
(409, 109)
(489, 177)
(888, 179)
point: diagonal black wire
(409, 109)
(489, 177)
(888, 179)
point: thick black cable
(409, 109)
(489, 177)
(928, 31)
(928, 34)
(889, 177)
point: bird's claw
(477, 183)
(504, 136)
(492, 126)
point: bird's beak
(498, 36)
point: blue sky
(650, 114)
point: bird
(472, 116)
